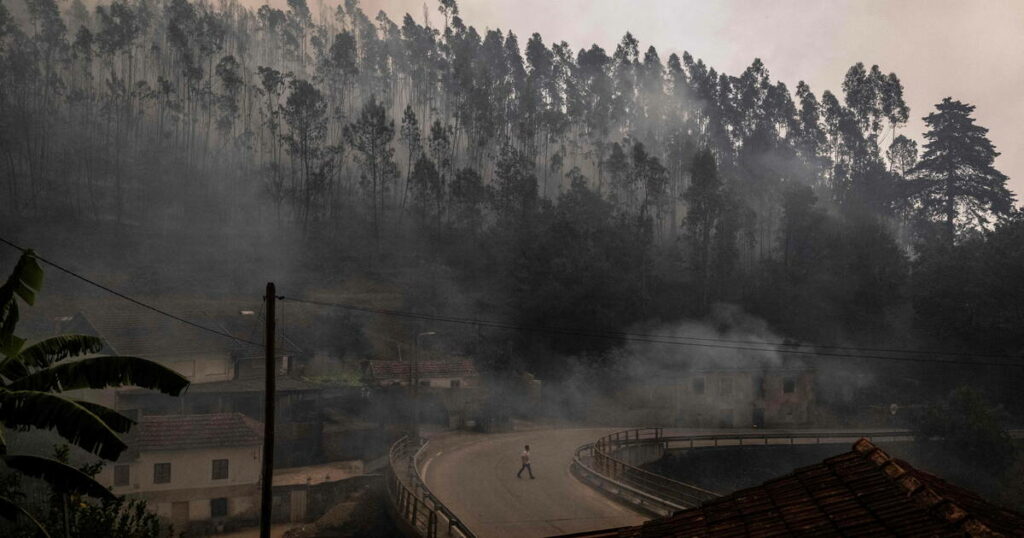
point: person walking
(525, 456)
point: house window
(456, 383)
(220, 469)
(789, 384)
(725, 386)
(698, 385)
(122, 475)
(161, 473)
(219, 507)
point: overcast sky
(971, 50)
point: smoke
(635, 385)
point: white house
(192, 467)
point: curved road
(475, 476)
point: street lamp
(415, 374)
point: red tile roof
(184, 432)
(863, 492)
(379, 370)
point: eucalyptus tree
(811, 139)
(902, 156)
(706, 199)
(440, 146)
(305, 113)
(272, 84)
(370, 135)
(514, 193)
(411, 136)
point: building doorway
(759, 417)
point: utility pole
(267, 480)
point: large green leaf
(103, 372)
(10, 511)
(61, 476)
(24, 282)
(55, 349)
(25, 409)
(47, 352)
(117, 422)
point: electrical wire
(690, 341)
(638, 337)
(131, 299)
(782, 344)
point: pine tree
(955, 182)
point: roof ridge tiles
(925, 496)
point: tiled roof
(863, 492)
(184, 432)
(425, 369)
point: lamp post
(416, 385)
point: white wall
(202, 368)
(192, 476)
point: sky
(970, 50)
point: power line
(133, 300)
(618, 334)
(691, 341)
(636, 337)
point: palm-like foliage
(33, 382)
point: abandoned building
(449, 390)
(727, 396)
(451, 373)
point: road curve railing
(612, 463)
(412, 504)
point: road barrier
(412, 505)
(612, 463)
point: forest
(516, 178)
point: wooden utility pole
(267, 480)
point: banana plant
(35, 379)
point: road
(475, 476)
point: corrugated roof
(184, 432)
(863, 492)
(425, 369)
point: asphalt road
(475, 476)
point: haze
(967, 50)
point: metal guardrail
(412, 500)
(611, 463)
